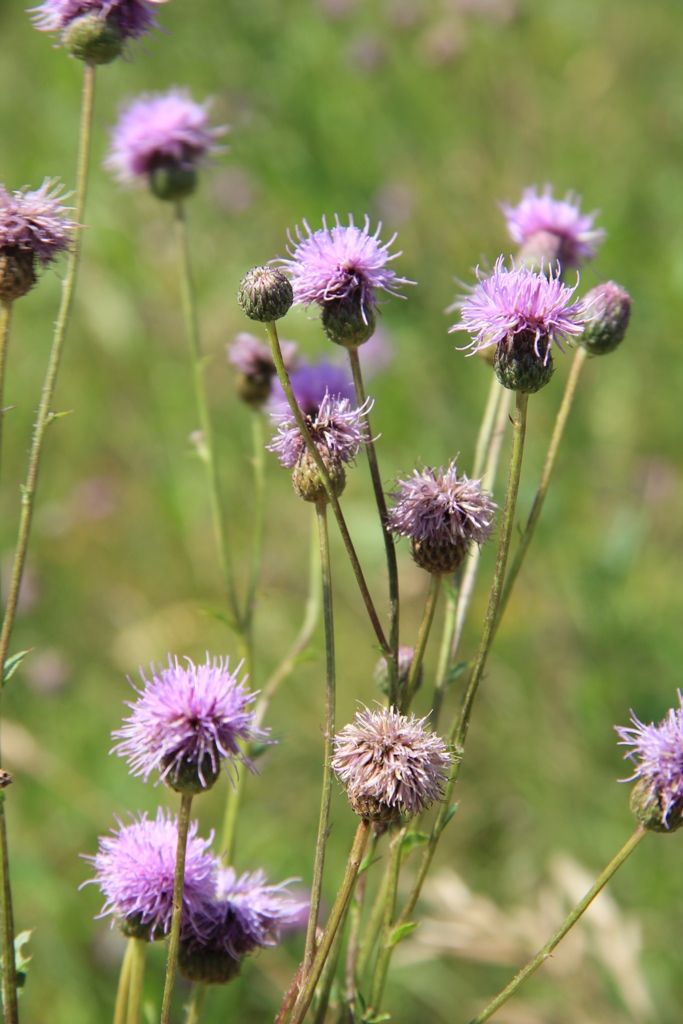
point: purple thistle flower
(187, 719)
(517, 301)
(344, 262)
(657, 753)
(442, 514)
(35, 221)
(161, 129)
(338, 429)
(133, 18)
(253, 358)
(390, 764)
(540, 213)
(310, 383)
(134, 868)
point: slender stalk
(578, 363)
(389, 547)
(336, 916)
(353, 947)
(121, 1004)
(300, 421)
(322, 1001)
(330, 696)
(44, 418)
(258, 518)
(206, 446)
(196, 1004)
(386, 949)
(421, 643)
(373, 927)
(568, 923)
(137, 977)
(488, 425)
(5, 324)
(458, 734)
(178, 885)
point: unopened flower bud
(347, 323)
(523, 362)
(190, 776)
(265, 294)
(439, 557)
(207, 966)
(17, 273)
(609, 311)
(307, 479)
(170, 180)
(94, 39)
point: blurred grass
(424, 114)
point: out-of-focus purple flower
(342, 262)
(254, 363)
(36, 221)
(442, 514)
(188, 719)
(156, 130)
(133, 18)
(405, 660)
(134, 868)
(390, 764)
(310, 383)
(538, 213)
(338, 429)
(657, 753)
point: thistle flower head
(341, 263)
(188, 719)
(310, 383)
(337, 427)
(540, 213)
(157, 131)
(134, 868)
(390, 764)
(255, 367)
(36, 221)
(132, 18)
(657, 753)
(442, 514)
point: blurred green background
(425, 114)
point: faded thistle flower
(34, 229)
(163, 138)
(255, 367)
(523, 313)
(134, 868)
(186, 720)
(657, 753)
(609, 310)
(551, 230)
(245, 914)
(390, 764)
(95, 31)
(341, 269)
(442, 514)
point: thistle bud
(650, 810)
(170, 180)
(207, 966)
(307, 479)
(265, 294)
(523, 362)
(609, 312)
(347, 323)
(93, 39)
(17, 273)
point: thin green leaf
(13, 663)
(400, 933)
(413, 839)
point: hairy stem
(137, 977)
(178, 885)
(568, 923)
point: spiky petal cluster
(518, 301)
(134, 868)
(36, 221)
(341, 262)
(160, 128)
(338, 428)
(133, 18)
(310, 383)
(539, 212)
(187, 720)
(390, 764)
(657, 753)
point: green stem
(460, 728)
(373, 927)
(121, 1003)
(206, 444)
(258, 513)
(386, 948)
(421, 643)
(196, 1004)
(5, 324)
(389, 547)
(578, 363)
(356, 914)
(300, 421)
(178, 885)
(329, 972)
(330, 687)
(568, 923)
(336, 916)
(137, 977)
(44, 418)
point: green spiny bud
(609, 308)
(187, 779)
(648, 808)
(265, 294)
(308, 482)
(171, 181)
(346, 323)
(523, 362)
(93, 39)
(207, 966)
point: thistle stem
(5, 324)
(578, 363)
(330, 686)
(300, 420)
(123, 986)
(178, 885)
(421, 643)
(336, 917)
(386, 947)
(258, 521)
(458, 734)
(137, 977)
(373, 927)
(44, 417)
(389, 546)
(568, 923)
